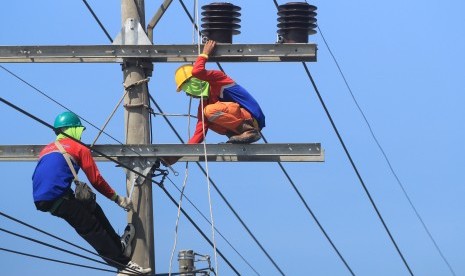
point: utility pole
(137, 127)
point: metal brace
(132, 33)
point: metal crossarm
(299, 152)
(156, 53)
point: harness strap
(68, 160)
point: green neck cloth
(75, 132)
(196, 88)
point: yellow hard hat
(182, 74)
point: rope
(178, 216)
(209, 190)
(196, 8)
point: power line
(391, 168)
(98, 20)
(51, 246)
(67, 242)
(58, 238)
(55, 260)
(65, 250)
(355, 168)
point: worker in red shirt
(52, 193)
(228, 108)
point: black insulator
(220, 22)
(297, 20)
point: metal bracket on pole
(143, 166)
(132, 34)
(148, 167)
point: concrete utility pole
(137, 129)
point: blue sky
(404, 63)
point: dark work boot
(247, 134)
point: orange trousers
(226, 117)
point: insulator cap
(297, 20)
(220, 22)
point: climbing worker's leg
(228, 118)
(95, 229)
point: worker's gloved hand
(125, 203)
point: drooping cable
(125, 167)
(186, 173)
(391, 168)
(221, 194)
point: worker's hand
(125, 203)
(169, 160)
(209, 46)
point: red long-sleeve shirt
(222, 88)
(52, 177)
